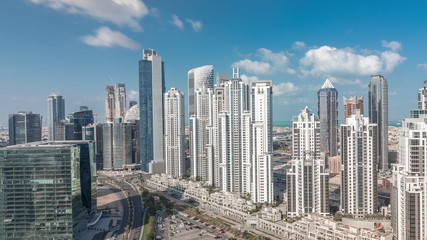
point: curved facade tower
(198, 78)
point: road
(134, 210)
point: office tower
(201, 168)
(110, 103)
(47, 189)
(307, 181)
(422, 102)
(262, 141)
(350, 106)
(64, 130)
(132, 103)
(24, 127)
(120, 100)
(55, 113)
(198, 78)
(234, 135)
(378, 113)
(93, 132)
(409, 194)
(118, 144)
(80, 119)
(359, 154)
(328, 115)
(174, 132)
(151, 90)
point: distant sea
(289, 123)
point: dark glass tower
(55, 113)
(151, 90)
(378, 113)
(328, 116)
(81, 119)
(24, 127)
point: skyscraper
(198, 78)
(200, 166)
(378, 113)
(24, 127)
(234, 135)
(359, 153)
(350, 106)
(307, 181)
(47, 189)
(262, 140)
(80, 119)
(120, 100)
(174, 132)
(151, 90)
(110, 103)
(55, 112)
(328, 115)
(409, 195)
(422, 102)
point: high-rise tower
(120, 100)
(25, 127)
(359, 153)
(328, 115)
(55, 113)
(378, 113)
(174, 132)
(351, 104)
(198, 78)
(307, 181)
(151, 90)
(109, 103)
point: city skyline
(290, 55)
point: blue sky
(73, 47)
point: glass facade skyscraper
(151, 90)
(46, 189)
(378, 113)
(55, 113)
(80, 119)
(328, 116)
(24, 127)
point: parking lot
(183, 226)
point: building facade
(378, 113)
(110, 103)
(81, 119)
(151, 90)
(359, 153)
(307, 181)
(351, 104)
(47, 190)
(328, 116)
(174, 132)
(24, 127)
(120, 100)
(55, 113)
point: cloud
(393, 45)
(196, 25)
(269, 63)
(105, 37)
(133, 95)
(422, 65)
(247, 79)
(177, 22)
(326, 60)
(285, 88)
(299, 45)
(120, 12)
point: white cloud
(269, 63)
(285, 88)
(422, 65)
(120, 12)
(326, 60)
(246, 78)
(105, 37)
(299, 45)
(177, 22)
(196, 25)
(133, 95)
(393, 45)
